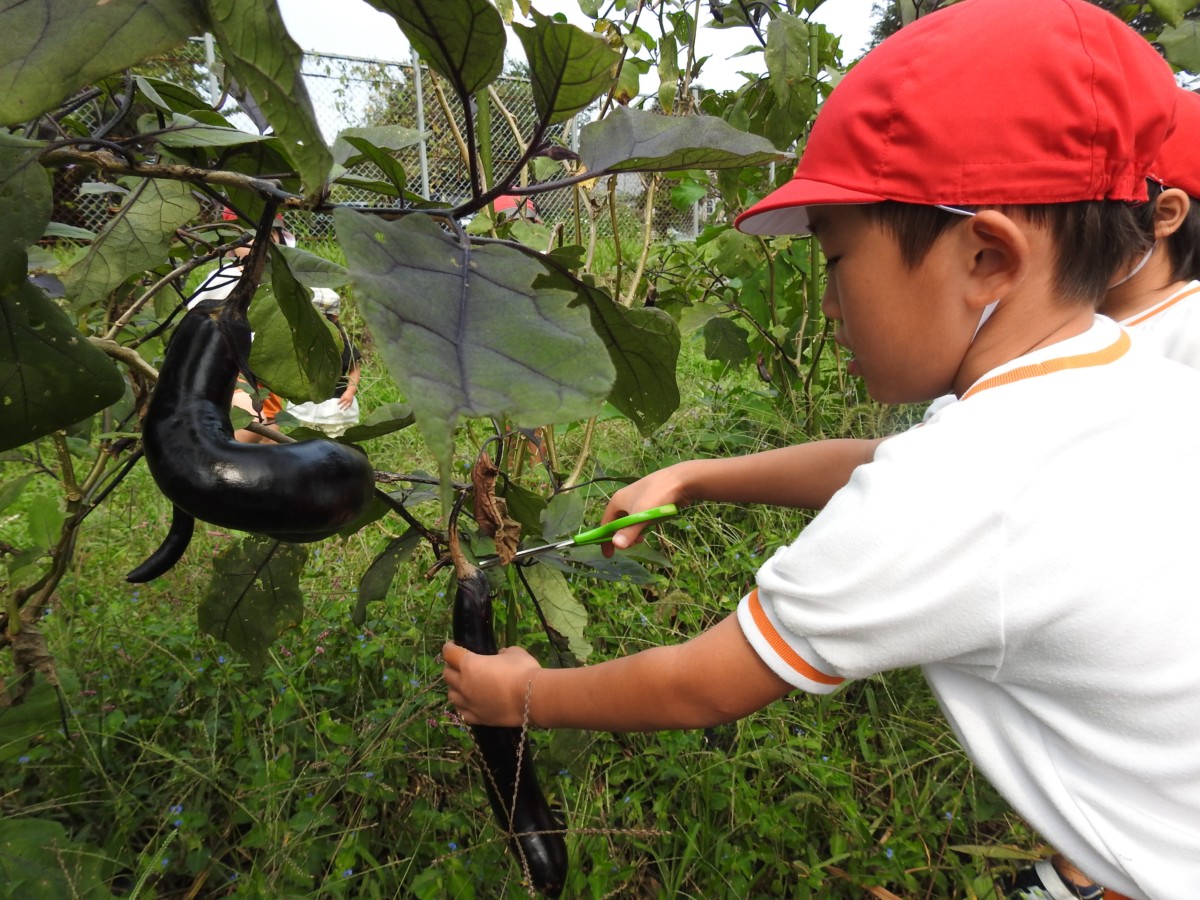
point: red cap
(1176, 164)
(986, 102)
(228, 215)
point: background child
(1159, 302)
(335, 415)
(1051, 611)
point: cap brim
(785, 210)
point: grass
(340, 770)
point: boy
(973, 163)
(1160, 300)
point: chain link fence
(348, 92)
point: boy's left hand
(488, 690)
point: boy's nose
(829, 304)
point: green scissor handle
(604, 532)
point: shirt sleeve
(901, 568)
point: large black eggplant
(299, 492)
(518, 803)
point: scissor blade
(528, 552)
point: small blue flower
(22, 759)
(362, 637)
(890, 853)
(452, 845)
(177, 808)
(233, 876)
(949, 816)
(220, 660)
(177, 822)
(347, 873)
(165, 860)
(370, 774)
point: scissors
(592, 535)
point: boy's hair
(1092, 238)
(1183, 247)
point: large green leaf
(643, 345)
(294, 350)
(25, 205)
(187, 132)
(51, 48)
(267, 157)
(385, 419)
(168, 96)
(50, 375)
(347, 146)
(1182, 45)
(631, 140)
(461, 40)
(254, 596)
(40, 712)
(265, 60)
(312, 270)
(465, 333)
(1171, 11)
(40, 861)
(788, 66)
(137, 238)
(377, 580)
(564, 613)
(568, 67)
(725, 341)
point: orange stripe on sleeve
(780, 646)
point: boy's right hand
(656, 489)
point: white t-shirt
(1054, 609)
(218, 285)
(1172, 326)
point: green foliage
(68, 44)
(137, 238)
(267, 719)
(270, 71)
(43, 362)
(630, 140)
(555, 48)
(254, 596)
(459, 358)
(461, 40)
(339, 770)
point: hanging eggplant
(516, 798)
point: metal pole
(416, 65)
(210, 59)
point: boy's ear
(999, 255)
(1170, 209)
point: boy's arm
(803, 476)
(715, 677)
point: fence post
(416, 66)
(210, 60)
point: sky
(353, 28)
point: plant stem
(589, 431)
(647, 227)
